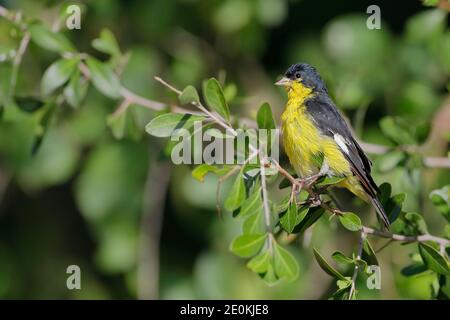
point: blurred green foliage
(80, 199)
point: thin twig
(265, 196)
(429, 162)
(16, 63)
(399, 237)
(123, 106)
(217, 118)
(139, 100)
(133, 98)
(356, 270)
(265, 199)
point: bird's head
(301, 77)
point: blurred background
(138, 226)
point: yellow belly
(307, 148)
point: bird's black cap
(307, 74)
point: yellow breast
(304, 144)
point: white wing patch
(341, 142)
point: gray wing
(331, 123)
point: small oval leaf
(350, 221)
(215, 99)
(164, 125)
(189, 95)
(265, 118)
(326, 267)
(248, 245)
(236, 195)
(433, 259)
(57, 74)
(286, 267)
(104, 78)
(341, 258)
(47, 39)
(260, 263)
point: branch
(156, 188)
(130, 97)
(429, 162)
(399, 237)
(4, 13)
(215, 117)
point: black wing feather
(330, 122)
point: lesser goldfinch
(317, 139)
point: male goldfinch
(317, 139)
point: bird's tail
(380, 211)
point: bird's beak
(285, 82)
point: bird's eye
(297, 75)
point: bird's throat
(298, 93)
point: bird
(319, 142)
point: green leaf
(53, 41)
(414, 269)
(433, 259)
(76, 90)
(342, 284)
(202, 170)
(216, 133)
(189, 95)
(444, 288)
(57, 74)
(398, 130)
(107, 43)
(270, 277)
(441, 200)
(29, 103)
(385, 193)
(260, 263)
(339, 257)
(265, 118)
(45, 116)
(417, 221)
(104, 78)
(289, 219)
(215, 98)
(251, 205)
(430, 3)
(293, 217)
(426, 25)
(341, 294)
(327, 181)
(124, 124)
(390, 160)
(326, 267)
(286, 267)
(254, 223)
(311, 217)
(393, 206)
(368, 254)
(164, 125)
(248, 245)
(230, 92)
(350, 221)
(237, 194)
